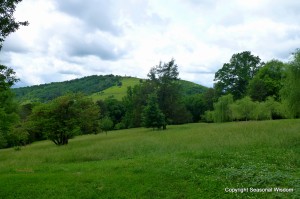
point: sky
(73, 38)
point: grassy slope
(116, 91)
(119, 92)
(187, 161)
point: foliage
(243, 109)
(198, 104)
(64, 117)
(234, 76)
(268, 81)
(3, 140)
(8, 116)
(7, 78)
(134, 102)
(106, 124)
(291, 90)
(164, 79)
(222, 111)
(152, 116)
(18, 136)
(7, 20)
(112, 108)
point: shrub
(106, 124)
(222, 112)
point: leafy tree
(112, 108)
(65, 117)
(18, 136)
(243, 109)
(234, 76)
(291, 90)
(7, 21)
(276, 109)
(106, 124)
(222, 112)
(7, 78)
(196, 106)
(268, 81)
(164, 79)
(8, 115)
(152, 115)
(134, 102)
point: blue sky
(73, 38)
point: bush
(243, 109)
(222, 112)
(120, 126)
(208, 116)
(18, 136)
(3, 141)
(106, 124)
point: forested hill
(88, 85)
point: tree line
(249, 89)
(246, 89)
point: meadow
(185, 161)
(117, 92)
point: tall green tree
(291, 90)
(8, 24)
(268, 81)
(234, 76)
(8, 108)
(8, 114)
(164, 79)
(134, 102)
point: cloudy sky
(68, 39)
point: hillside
(46, 92)
(98, 87)
(116, 91)
(185, 161)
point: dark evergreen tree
(164, 79)
(152, 115)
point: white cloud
(70, 39)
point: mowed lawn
(185, 161)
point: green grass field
(186, 161)
(116, 91)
